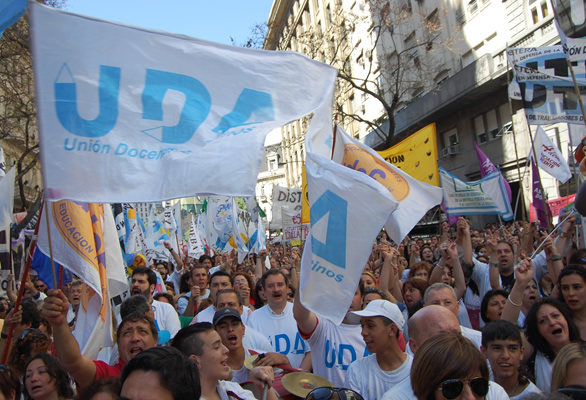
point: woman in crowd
(368, 280)
(30, 343)
(572, 291)
(46, 379)
(449, 366)
(9, 384)
(548, 327)
(243, 284)
(492, 305)
(569, 368)
(420, 270)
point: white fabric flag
(219, 223)
(136, 242)
(2, 164)
(86, 243)
(550, 158)
(487, 196)
(195, 248)
(149, 108)
(347, 209)
(202, 232)
(7, 199)
(414, 197)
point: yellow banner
(304, 198)
(416, 155)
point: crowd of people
(493, 313)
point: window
(480, 130)
(451, 137)
(538, 10)
(492, 125)
(472, 7)
(329, 14)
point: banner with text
(284, 198)
(150, 108)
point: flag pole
(25, 273)
(53, 275)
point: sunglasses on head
(33, 332)
(573, 392)
(325, 393)
(452, 388)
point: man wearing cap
(372, 376)
(228, 324)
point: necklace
(512, 394)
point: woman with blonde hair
(569, 369)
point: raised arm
(457, 272)
(388, 277)
(81, 368)
(176, 257)
(306, 320)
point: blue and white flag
(219, 223)
(152, 108)
(487, 196)
(348, 208)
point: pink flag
(486, 167)
(539, 201)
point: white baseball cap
(379, 308)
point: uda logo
(329, 216)
(196, 108)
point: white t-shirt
(366, 377)
(543, 370)
(175, 278)
(243, 374)
(256, 341)
(207, 315)
(530, 389)
(281, 329)
(166, 317)
(473, 335)
(183, 300)
(404, 391)
(226, 388)
(334, 348)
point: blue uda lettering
(336, 353)
(298, 348)
(196, 109)
(336, 208)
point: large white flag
(7, 199)
(128, 114)
(84, 240)
(195, 248)
(414, 197)
(348, 209)
(550, 158)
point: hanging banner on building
(487, 196)
(132, 115)
(545, 84)
(416, 155)
(284, 198)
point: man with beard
(143, 282)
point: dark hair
(258, 302)
(168, 296)
(184, 282)
(500, 330)
(151, 276)
(56, 371)
(531, 323)
(570, 269)
(134, 304)
(136, 317)
(30, 313)
(417, 283)
(273, 271)
(220, 273)
(177, 373)
(9, 382)
(187, 340)
(227, 291)
(577, 256)
(204, 257)
(33, 340)
(484, 305)
(371, 290)
(108, 385)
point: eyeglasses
(33, 332)
(325, 393)
(452, 388)
(40, 287)
(573, 393)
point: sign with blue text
(132, 115)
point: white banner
(550, 158)
(284, 198)
(7, 199)
(487, 196)
(195, 248)
(128, 114)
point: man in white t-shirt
(333, 347)
(203, 345)
(219, 281)
(423, 325)
(143, 282)
(276, 321)
(444, 295)
(374, 375)
(503, 348)
(198, 284)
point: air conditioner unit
(451, 150)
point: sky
(214, 20)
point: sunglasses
(35, 333)
(325, 393)
(452, 388)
